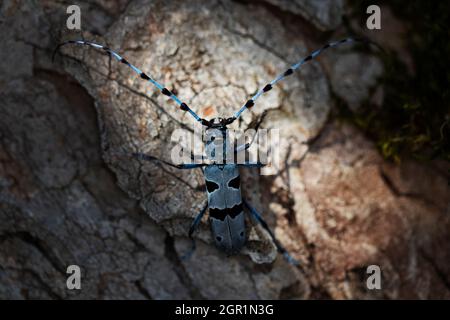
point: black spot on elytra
(211, 186)
(308, 58)
(220, 214)
(124, 61)
(235, 183)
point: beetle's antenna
(183, 106)
(293, 68)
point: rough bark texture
(64, 199)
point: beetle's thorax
(217, 142)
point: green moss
(415, 117)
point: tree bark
(66, 199)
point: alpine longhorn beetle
(225, 202)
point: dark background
(364, 177)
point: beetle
(224, 198)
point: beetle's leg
(193, 227)
(146, 157)
(252, 164)
(247, 145)
(197, 220)
(280, 248)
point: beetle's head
(217, 123)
